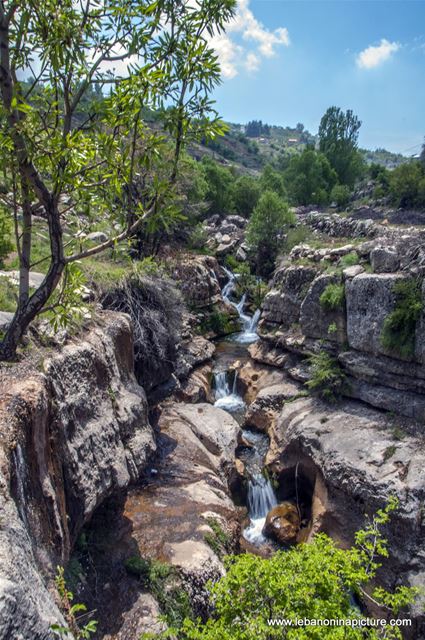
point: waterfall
(261, 499)
(249, 323)
(227, 398)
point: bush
(398, 334)
(314, 581)
(333, 297)
(198, 237)
(220, 187)
(406, 185)
(246, 195)
(266, 229)
(310, 178)
(340, 195)
(327, 377)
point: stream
(261, 496)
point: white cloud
(375, 55)
(231, 49)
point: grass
(349, 260)
(218, 539)
(389, 452)
(333, 296)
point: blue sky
(286, 61)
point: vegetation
(218, 539)
(310, 178)
(246, 194)
(340, 195)
(298, 235)
(220, 186)
(62, 138)
(310, 581)
(407, 185)
(266, 230)
(327, 378)
(73, 613)
(162, 580)
(399, 329)
(5, 236)
(333, 296)
(338, 136)
(349, 260)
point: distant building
(293, 141)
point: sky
(287, 61)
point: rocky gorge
(108, 460)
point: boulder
(315, 319)
(197, 278)
(282, 304)
(5, 319)
(282, 523)
(97, 236)
(384, 259)
(262, 413)
(238, 221)
(352, 272)
(35, 279)
(370, 299)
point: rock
(384, 259)
(197, 278)
(262, 413)
(252, 378)
(76, 433)
(238, 221)
(97, 236)
(197, 388)
(241, 255)
(5, 319)
(35, 279)
(143, 617)
(261, 351)
(352, 272)
(316, 319)
(192, 353)
(227, 230)
(283, 302)
(282, 523)
(226, 246)
(348, 458)
(365, 321)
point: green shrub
(333, 297)
(314, 581)
(198, 237)
(340, 195)
(349, 260)
(219, 322)
(327, 378)
(218, 539)
(398, 334)
(231, 262)
(162, 580)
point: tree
(340, 195)
(272, 180)
(5, 236)
(246, 195)
(77, 161)
(314, 582)
(310, 178)
(266, 229)
(338, 136)
(405, 184)
(220, 185)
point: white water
(249, 323)
(261, 499)
(227, 398)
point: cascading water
(225, 397)
(261, 499)
(249, 323)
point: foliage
(422, 156)
(198, 237)
(218, 322)
(217, 539)
(310, 178)
(5, 236)
(266, 229)
(333, 296)
(407, 185)
(273, 180)
(220, 186)
(72, 613)
(338, 136)
(398, 334)
(246, 194)
(327, 377)
(313, 581)
(340, 195)
(163, 582)
(76, 141)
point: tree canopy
(77, 160)
(338, 140)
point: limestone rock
(315, 319)
(283, 302)
(282, 523)
(384, 259)
(97, 236)
(197, 278)
(35, 279)
(263, 412)
(5, 320)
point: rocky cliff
(74, 430)
(298, 320)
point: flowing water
(249, 323)
(261, 496)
